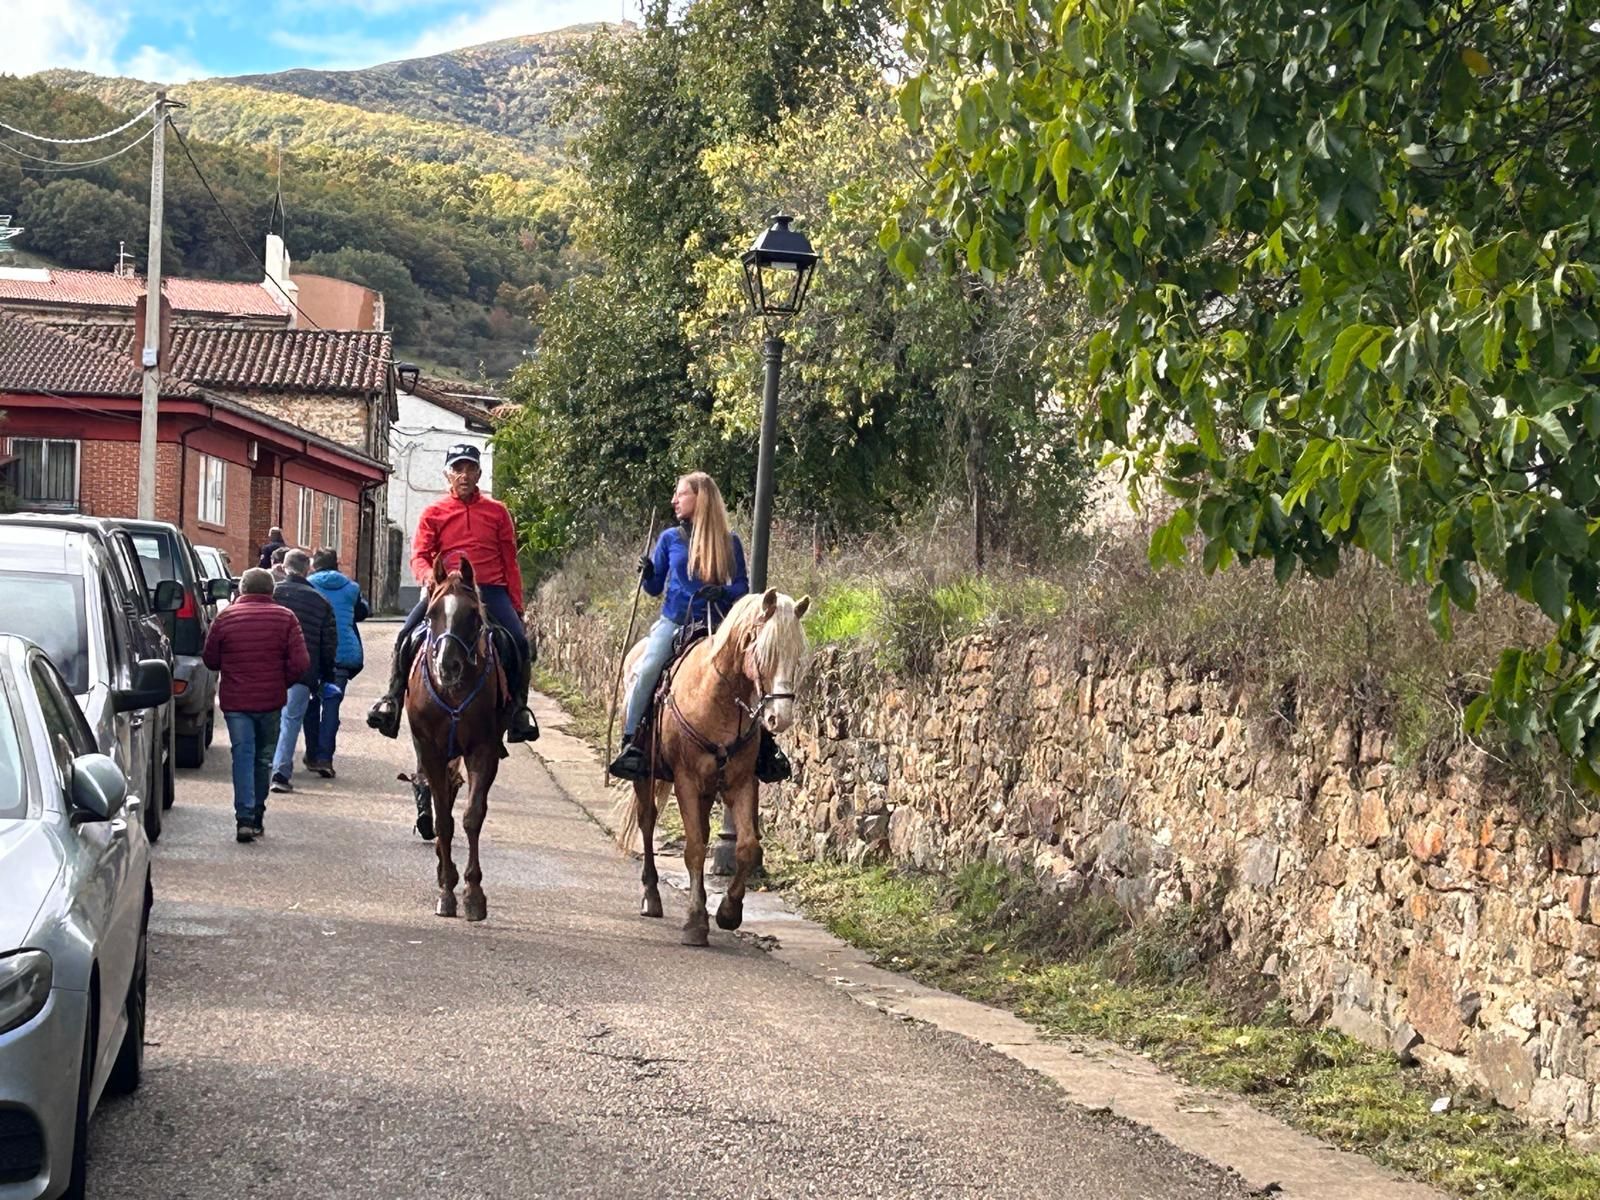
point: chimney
(284, 290)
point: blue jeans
(657, 650)
(294, 713)
(322, 716)
(253, 736)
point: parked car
(167, 556)
(75, 902)
(214, 561)
(148, 627)
(58, 590)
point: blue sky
(173, 42)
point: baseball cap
(462, 451)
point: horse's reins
(454, 712)
(722, 752)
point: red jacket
(257, 645)
(479, 529)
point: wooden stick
(622, 654)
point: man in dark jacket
(321, 633)
(349, 607)
(274, 540)
(257, 648)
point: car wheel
(191, 749)
(78, 1184)
(127, 1071)
(211, 729)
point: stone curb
(1223, 1130)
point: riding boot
(630, 764)
(772, 764)
(424, 798)
(522, 727)
(385, 714)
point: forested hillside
(463, 256)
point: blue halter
(454, 711)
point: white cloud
(482, 23)
(162, 66)
(40, 34)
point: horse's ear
(439, 573)
(801, 605)
(466, 572)
(769, 602)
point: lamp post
(777, 275)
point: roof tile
(105, 289)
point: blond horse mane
(780, 642)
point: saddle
(681, 645)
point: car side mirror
(152, 687)
(169, 596)
(219, 589)
(98, 788)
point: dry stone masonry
(1445, 918)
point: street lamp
(407, 373)
(777, 276)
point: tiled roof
(40, 358)
(267, 360)
(104, 289)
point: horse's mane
(781, 640)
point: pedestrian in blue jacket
(699, 565)
(322, 714)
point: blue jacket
(669, 570)
(344, 595)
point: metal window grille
(45, 473)
(213, 490)
(303, 524)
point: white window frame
(305, 509)
(211, 504)
(332, 521)
(45, 443)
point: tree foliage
(1343, 259)
(74, 221)
(478, 247)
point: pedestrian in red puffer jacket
(257, 647)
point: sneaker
(326, 770)
(280, 784)
(244, 833)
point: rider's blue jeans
(657, 651)
(496, 599)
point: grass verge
(1081, 968)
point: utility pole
(149, 410)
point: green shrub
(843, 614)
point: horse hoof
(650, 906)
(477, 908)
(696, 935)
(729, 915)
(446, 906)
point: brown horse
(722, 692)
(453, 705)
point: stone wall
(1444, 918)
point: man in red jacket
(257, 647)
(465, 524)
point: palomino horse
(721, 693)
(453, 702)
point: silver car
(74, 910)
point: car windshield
(48, 609)
(13, 792)
(155, 558)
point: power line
(99, 137)
(183, 143)
(56, 164)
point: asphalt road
(315, 1031)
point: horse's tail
(625, 820)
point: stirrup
(384, 716)
(518, 731)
